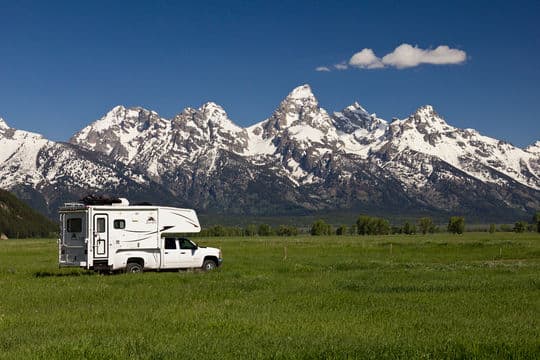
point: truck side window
(186, 244)
(119, 224)
(170, 243)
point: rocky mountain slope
(301, 159)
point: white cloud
(366, 59)
(405, 56)
(322, 68)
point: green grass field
(439, 296)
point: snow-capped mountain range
(301, 159)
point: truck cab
(182, 253)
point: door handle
(182, 252)
(166, 252)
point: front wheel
(209, 265)
(133, 267)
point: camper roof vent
(121, 202)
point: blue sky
(65, 64)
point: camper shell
(112, 236)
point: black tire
(134, 267)
(209, 265)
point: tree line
(365, 225)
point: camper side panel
(134, 235)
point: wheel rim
(210, 265)
(135, 269)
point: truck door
(101, 236)
(176, 257)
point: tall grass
(441, 296)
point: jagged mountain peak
(207, 115)
(214, 112)
(300, 156)
(3, 124)
(425, 117)
(355, 106)
(301, 92)
(299, 108)
(426, 113)
(123, 116)
(355, 117)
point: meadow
(438, 296)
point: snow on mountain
(428, 133)
(48, 172)
(295, 138)
(118, 133)
(141, 138)
(3, 124)
(312, 159)
(18, 154)
(534, 148)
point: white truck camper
(111, 236)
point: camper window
(100, 225)
(119, 224)
(74, 225)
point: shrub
(536, 221)
(250, 230)
(265, 230)
(456, 225)
(320, 227)
(520, 226)
(368, 225)
(342, 230)
(284, 230)
(425, 225)
(408, 228)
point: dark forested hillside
(18, 220)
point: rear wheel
(209, 265)
(134, 267)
